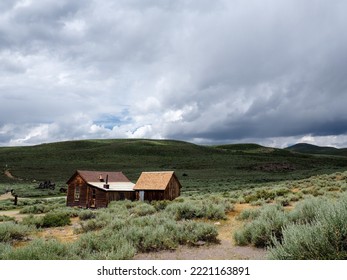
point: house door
(142, 195)
(93, 198)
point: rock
(200, 243)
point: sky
(209, 72)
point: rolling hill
(313, 149)
(200, 168)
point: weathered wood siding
(173, 189)
(170, 193)
(121, 195)
(77, 182)
(92, 197)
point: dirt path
(6, 196)
(226, 250)
(14, 214)
(9, 175)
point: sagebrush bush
(306, 211)
(142, 209)
(268, 224)
(87, 215)
(319, 232)
(4, 218)
(91, 225)
(160, 204)
(198, 209)
(10, 231)
(39, 249)
(250, 214)
(51, 219)
(103, 245)
(55, 219)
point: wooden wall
(170, 193)
(173, 190)
(101, 197)
(130, 195)
(77, 182)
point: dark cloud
(204, 71)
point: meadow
(284, 197)
(302, 219)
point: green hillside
(200, 168)
(313, 149)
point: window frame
(77, 193)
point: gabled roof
(117, 181)
(94, 176)
(155, 180)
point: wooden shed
(157, 186)
(95, 189)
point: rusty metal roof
(154, 180)
(94, 176)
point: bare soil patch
(6, 196)
(63, 234)
(9, 174)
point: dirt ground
(63, 234)
(5, 196)
(8, 174)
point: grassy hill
(313, 149)
(200, 168)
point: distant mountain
(313, 149)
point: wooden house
(95, 189)
(157, 186)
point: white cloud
(203, 71)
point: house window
(93, 193)
(77, 193)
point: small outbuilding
(157, 186)
(96, 189)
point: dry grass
(63, 234)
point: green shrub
(306, 211)
(10, 231)
(52, 219)
(249, 214)
(322, 236)
(160, 205)
(4, 218)
(91, 225)
(31, 220)
(39, 249)
(283, 201)
(87, 215)
(200, 209)
(260, 231)
(183, 210)
(103, 245)
(192, 232)
(142, 209)
(55, 219)
(6, 205)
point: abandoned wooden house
(95, 189)
(157, 186)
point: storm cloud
(271, 72)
